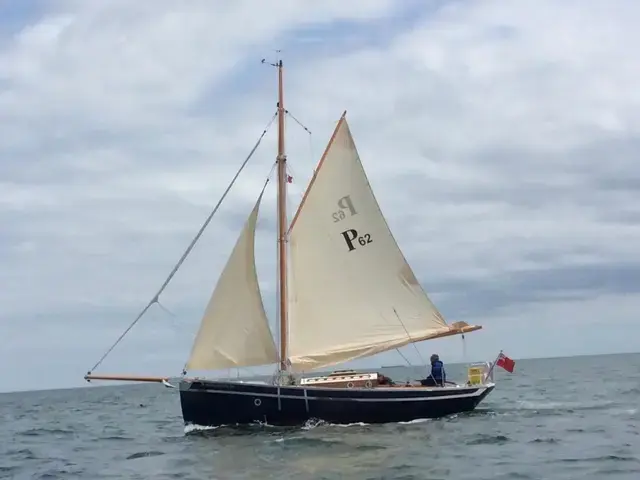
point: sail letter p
(345, 203)
(349, 236)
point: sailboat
(345, 292)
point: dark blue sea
(566, 418)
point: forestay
(234, 331)
(352, 293)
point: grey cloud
(531, 178)
(470, 299)
(503, 157)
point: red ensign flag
(506, 363)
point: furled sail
(234, 331)
(352, 293)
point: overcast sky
(501, 139)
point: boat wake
(415, 422)
(563, 406)
(258, 426)
(188, 429)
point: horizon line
(119, 384)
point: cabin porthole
(368, 384)
(350, 385)
(257, 402)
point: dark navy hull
(214, 403)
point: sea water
(569, 418)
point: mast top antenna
(278, 62)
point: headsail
(352, 293)
(234, 331)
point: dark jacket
(437, 371)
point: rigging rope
(412, 342)
(289, 168)
(405, 358)
(464, 349)
(156, 297)
(298, 121)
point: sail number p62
(351, 236)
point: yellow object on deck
(476, 375)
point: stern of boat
(480, 373)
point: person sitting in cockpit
(438, 377)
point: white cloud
(500, 139)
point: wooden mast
(282, 222)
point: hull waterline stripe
(343, 389)
(306, 398)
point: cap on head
(434, 358)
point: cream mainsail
(234, 331)
(351, 292)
